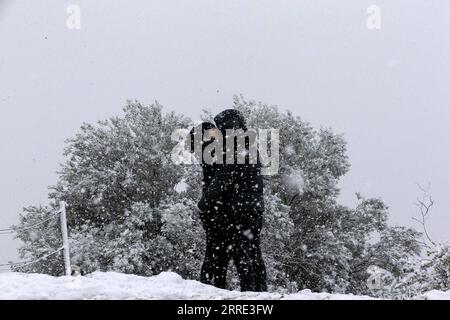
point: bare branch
(425, 205)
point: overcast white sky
(387, 90)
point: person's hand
(201, 206)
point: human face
(212, 134)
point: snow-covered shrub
(276, 236)
(40, 241)
(431, 272)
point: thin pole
(65, 237)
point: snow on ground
(167, 285)
(112, 285)
(436, 295)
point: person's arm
(220, 185)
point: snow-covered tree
(118, 183)
(327, 247)
(125, 214)
(431, 271)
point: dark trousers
(239, 241)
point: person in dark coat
(239, 188)
(214, 218)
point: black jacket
(241, 184)
(215, 217)
(208, 169)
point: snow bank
(112, 285)
(436, 295)
(167, 285)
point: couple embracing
(231, 207)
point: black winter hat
(230, 119)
